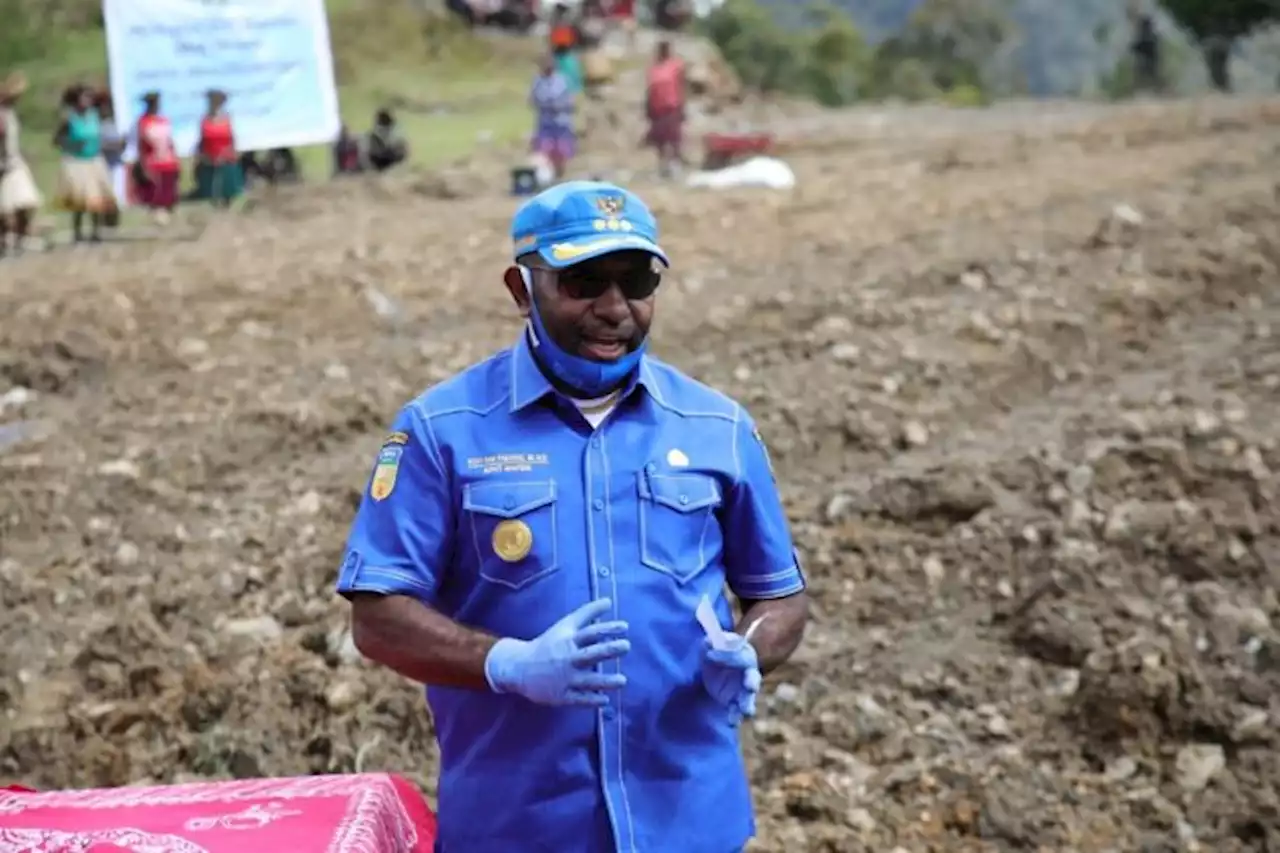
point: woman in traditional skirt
(84, 185)
(155, 175)
(665, 108)
(19, 198)
(219, 177)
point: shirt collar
(529, 384)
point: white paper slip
(718, 636)
(711, 624)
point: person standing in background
(665, 108)
(552, 99)
(593, 25)
(19, 197)
(1146, 55)
(565, 39)
(157, 170)
(114, 141)
(84, 185)
(671, 14)
(346, 153)
(219, 177)
(385, 145)
(562, 32)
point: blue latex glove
(732, 676)
(558, 667)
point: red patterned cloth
(368, 813)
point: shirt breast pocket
(513, 530)
(679, 531)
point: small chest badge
(512, 540)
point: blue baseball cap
(580, 220)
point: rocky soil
(1020, 374)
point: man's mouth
(603, 349)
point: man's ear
(516, 287)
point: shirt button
(598, 504)
(609, 713)
(595, 442)
(509, 502)
(651, 467)
(603, 571)
(684, 499)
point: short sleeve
(402, 538)
(760, 556)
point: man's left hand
(732, 676)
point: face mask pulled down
(588, 378)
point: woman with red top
(219, 177)
(156, 173)
(664, 106)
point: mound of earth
(1020, 373)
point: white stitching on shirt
(595, 592)
(737, 460)
(608, 507)
(365, 576)
(435, 455)
(702, 539)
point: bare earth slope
(1022, 385)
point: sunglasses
(587, 283)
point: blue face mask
(587, 377)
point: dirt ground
(1020, 373)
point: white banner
(271, 57)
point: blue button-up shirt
(669, 499)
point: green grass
(452, 91)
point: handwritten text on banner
(271, 57)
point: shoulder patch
(396, 438)
(385, 472)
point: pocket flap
(681, 492)
(507, 500)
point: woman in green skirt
(219, 177)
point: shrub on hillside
(935, 57)
(825, 61)
(836, 59)
(764, 56)
(966, 95)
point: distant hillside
(877, 19)
(1068, 46)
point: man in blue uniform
(536, 537)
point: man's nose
(612, 305)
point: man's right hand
(558, 667)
